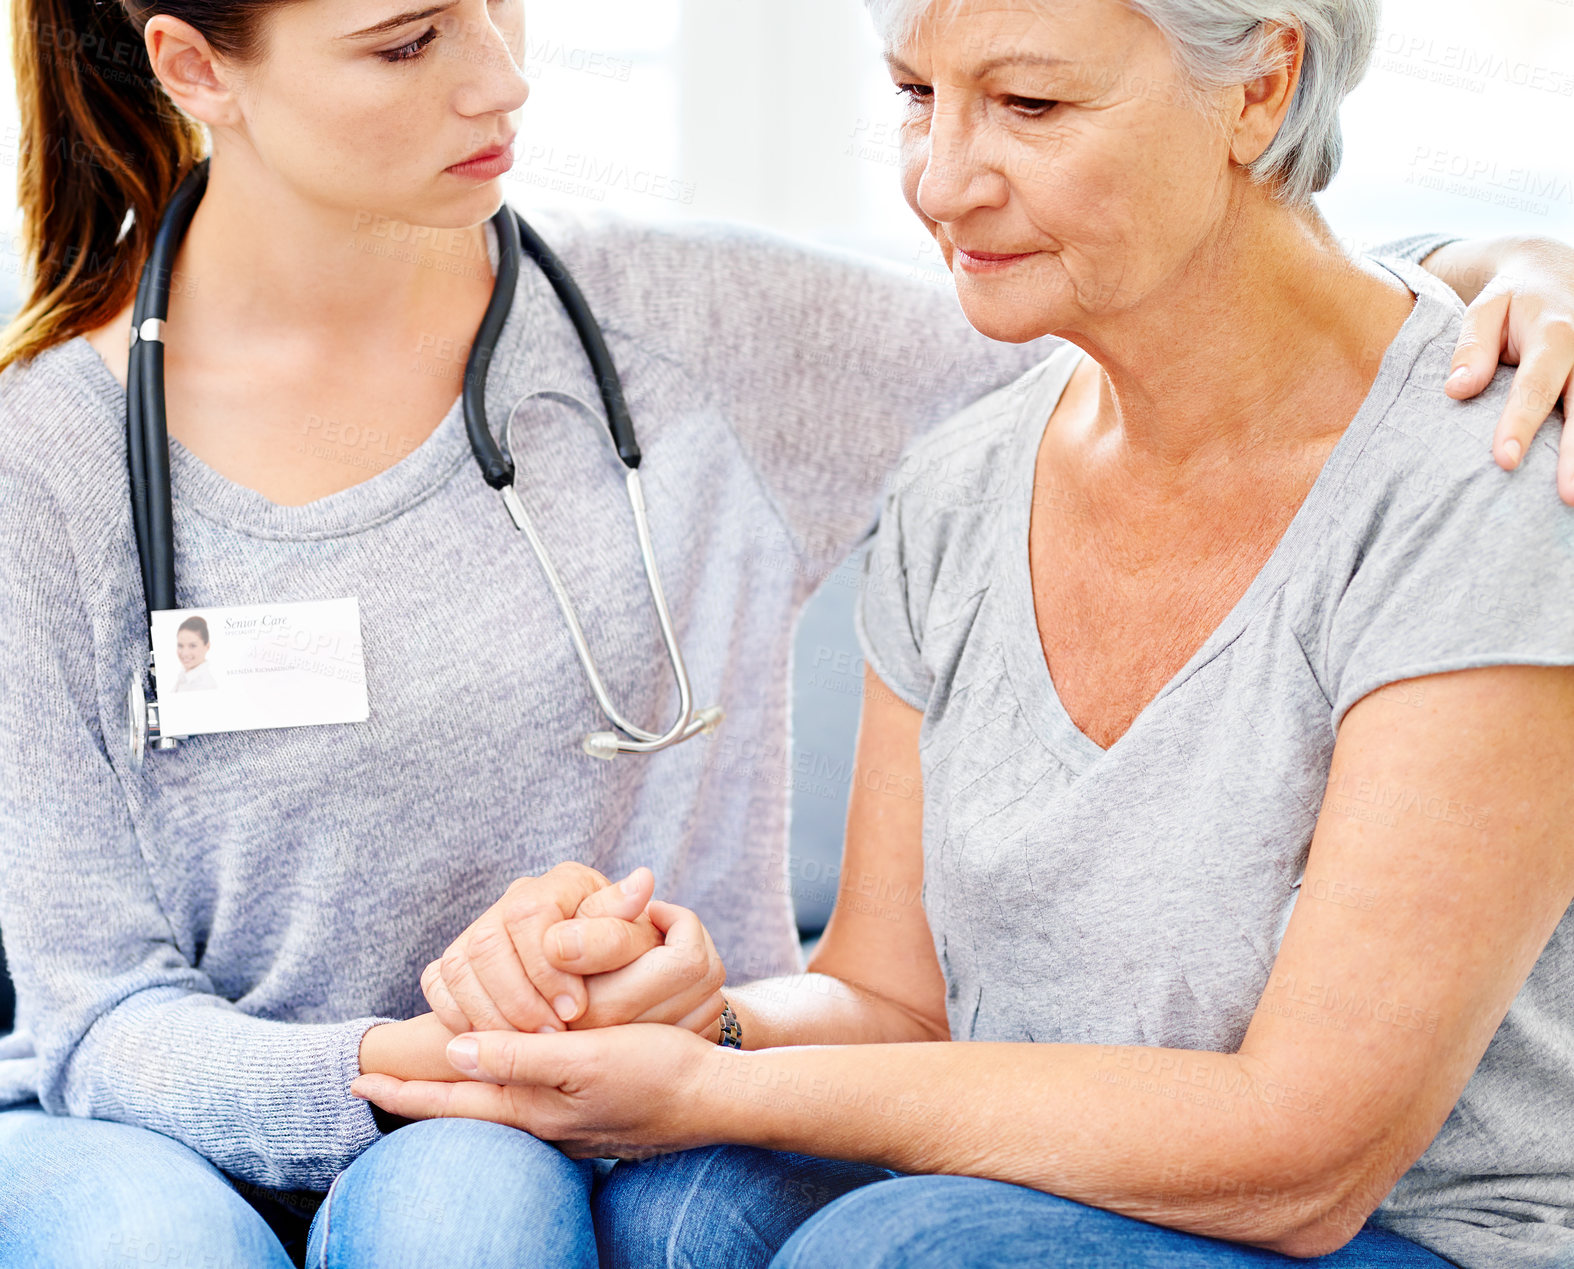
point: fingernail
(549, 1029)
(464, 1054)
(565, 1008)
(1461, 373)
(569, 944)
(356, 1090)
(630, 884)
(1514, 450)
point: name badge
(257, 666)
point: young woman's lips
(989, 261)
(487, 165)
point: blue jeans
(460, 1193)
(457, 1193)
(80, 1193)
(953, 1222)
(84, 1193)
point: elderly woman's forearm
(1203, 1142)
(821, 1009)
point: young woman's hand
(1521, 313)
(678, 982)
(501, 975)
(414, 1049)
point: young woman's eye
(918, 94)
(412, 50)
(1030, 107)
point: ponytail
(102, 148)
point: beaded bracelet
(731, 1033)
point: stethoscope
(147, 450)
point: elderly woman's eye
(1030, 107)
(916, 93)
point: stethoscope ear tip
(603, 745)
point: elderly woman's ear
(1266, 100)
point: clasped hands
(571, 950)
(636, 980)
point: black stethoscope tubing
(147, 430)
(148, 462)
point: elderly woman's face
(1055, 153)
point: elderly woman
(1230, 748)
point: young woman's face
(372, 120)
(1063, 138)
(190, 648)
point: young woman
(1233, 763)
(191, 648)
(210, 947)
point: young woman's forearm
(415, 1049)
(1468, 266)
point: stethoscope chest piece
(142, 721)
(137, 720)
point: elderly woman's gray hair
(1217, 43)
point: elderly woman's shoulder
(970, 460)
(1427, 446)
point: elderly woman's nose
(959, 173)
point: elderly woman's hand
(498, 974)
(618, 1092)
(678, 982)
(1523, 316)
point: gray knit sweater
(199, 947)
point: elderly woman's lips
(989, 260)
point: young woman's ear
(197, 80)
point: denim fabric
(721, 1205)
(457, 1192)
(952, 1222)
(86, 1193)
(465, 1194)
(468, 1195)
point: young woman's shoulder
(605, 244)
(62, 431)
(673, 281)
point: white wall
(781, 113)
(778, 111)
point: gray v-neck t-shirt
(1150, 883)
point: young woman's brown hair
(102, 149)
